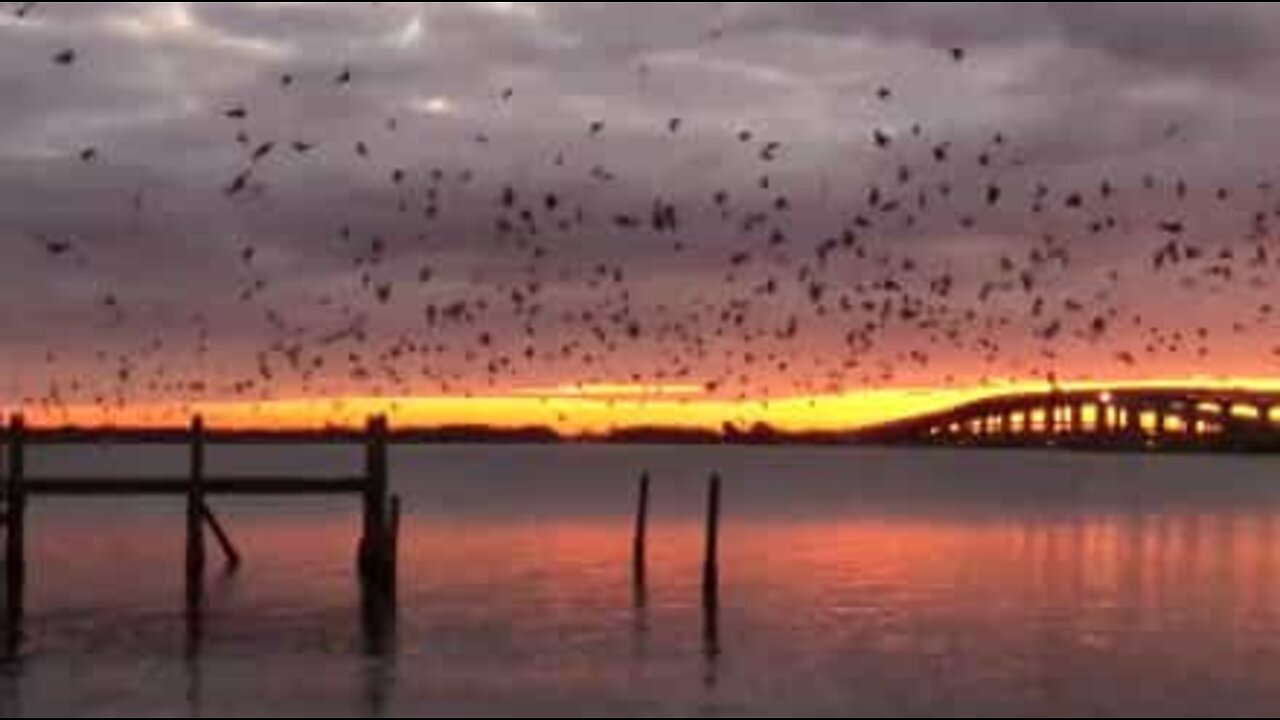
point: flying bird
(994, 193)
(239, 184)
(56, 248)
(263, 151)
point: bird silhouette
(239, 184)
(263, 151)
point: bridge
(1120, 419)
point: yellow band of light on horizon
(577, 410)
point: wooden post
(195, 517)
(711, 577)
(16, 545)
(373, 543)
(392, 579)
(711, 567)
(640, 548)
(229, 552)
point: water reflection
(1083, 608)
(711, 648)
(194, 617)
(378, 616)
(10, 688)
(640, 624)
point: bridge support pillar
(1131, 422)
(1230, 425)
(1120, 424)
(989, 427)
(1076, 419)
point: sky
(710, 203)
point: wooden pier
(376, 556)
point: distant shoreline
(1120, 420)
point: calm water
(856, 584)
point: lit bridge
(1145, 418)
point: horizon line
(590, 414)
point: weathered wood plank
(178, 487)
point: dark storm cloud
(1084, 91)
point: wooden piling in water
(711, 566)
(196, 511)
(16, 542)
(711, 576)
(373, 543)
(392, 580)
(640, 546)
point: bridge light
(1106, 398)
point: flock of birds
(774, 311)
